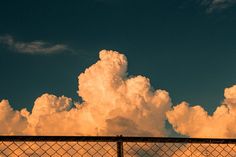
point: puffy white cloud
(113, 103)
(195, 121)
(34, 47)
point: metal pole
(120, 147)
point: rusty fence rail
(114, 146)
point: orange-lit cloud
(116, 100)
(113, 103)
(195, 121)
(11, 122)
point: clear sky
(186, 47)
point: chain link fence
(118, 146)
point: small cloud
(194, 121)
(214, 5)
(34, 47)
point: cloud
(11, 122)
(34, 47)
(105, 85)
(213, 5)
(113, 103)
(196, 122)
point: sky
(184, 47)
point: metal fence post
(119, 144)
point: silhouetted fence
(118, 146)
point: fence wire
(110, 146)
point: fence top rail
(118, 139)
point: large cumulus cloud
(116, 100)
(113, 103)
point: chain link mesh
(99, 147)
(57, 149)
(179, 150)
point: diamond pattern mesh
(57, 149)
(179, 150)
(98, 147)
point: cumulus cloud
(105, 84)
(196, 122)
(113, 103)
(34, 47)
(11, 122)
(213, 5)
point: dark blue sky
(187, 47)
